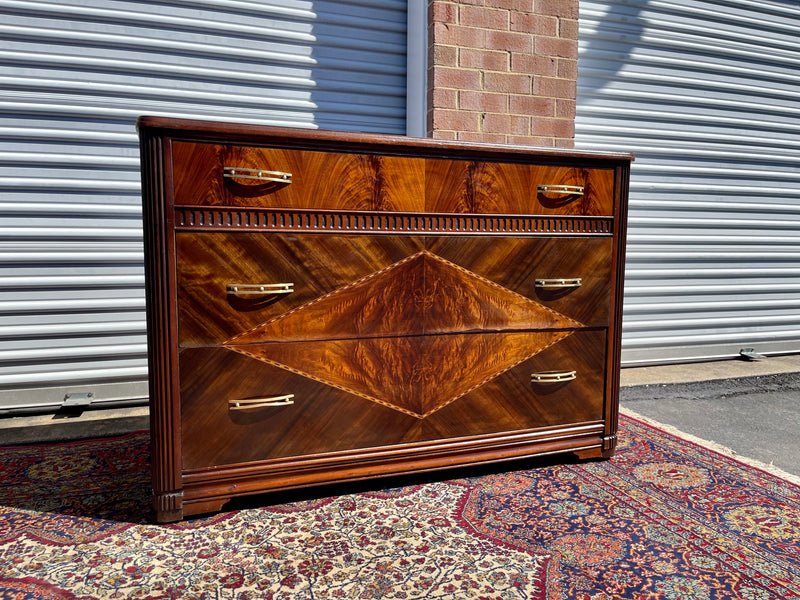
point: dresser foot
(168, 507)
(609, 445)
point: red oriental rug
(665, 519)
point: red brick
(456, 35)
(460, 79)
(568, 29)
(534, 24)
(512, 5)
(529, 140)
(508, 124)
(437, 134)
(481, 101)
(443, 12)
(444, 98)
(507, 82)
(503, 71)
(446, 56)
(522, 22)
(494, 123)
(563, 128)
(486, 138)
(565, 109)
(548, 46)
(547, 26)
(549, 87)
(485, 18)
(544, 66)
(532, 105)
(512, 42)
(486, 60)
(456, 120)
(567, 68)
(558, 8)
(520, 125)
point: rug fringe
(716, 447)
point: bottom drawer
(334, 413)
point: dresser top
(288, 137)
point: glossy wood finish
(345, 181)
(496, 188)
(317, 265)
(329, 417)
(385, 183)
(412, 332)
(321, 265)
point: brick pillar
(503, 71)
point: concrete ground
(753, 408)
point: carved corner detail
(609, 445)
(168, 507)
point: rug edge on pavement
(713, 446)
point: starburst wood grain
(316, 265)
(325, 418)
(421, 294)
(413, 374)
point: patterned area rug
(664, 519)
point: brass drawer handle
(574, 282)
(241, 290)
(553, 376)
(573, 190)
(261, 402)
(258, 174)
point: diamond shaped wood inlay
(414, 336)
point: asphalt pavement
(751, 408)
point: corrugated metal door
(707, 95)
(74, 77)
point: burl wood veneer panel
(327, 418)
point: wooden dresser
(325, 307)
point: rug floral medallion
(665, 519)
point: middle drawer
(259, 287)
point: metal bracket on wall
(76, 403)
(750, 354)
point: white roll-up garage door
(707, 95)
(74, 76)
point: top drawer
(222, 175)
